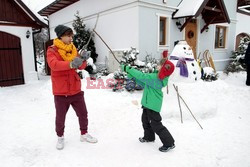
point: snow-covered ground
(28, 138)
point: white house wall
(127, 23)
(86, 8)
(27, 48)
(117, 26)
(222, 56)
(148, 31)
(243, 24)
(119, 30)
(148, 42)
(206, 41)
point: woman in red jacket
(64, 60)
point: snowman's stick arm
(178, 97)
(187, 106)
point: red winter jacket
(65, 81)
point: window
(220, 37)
(162, 31)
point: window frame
(167, 32)
(217, 37)
(162, 42)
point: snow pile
(222, 107)
(195, 95)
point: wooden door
(46, 45)
(11, 66)
(191, 35)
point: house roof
(188, 8)
(16, 13)
(243, 6)
(212, 11)
(55, 6)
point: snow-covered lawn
(28, 138)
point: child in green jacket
(152, 102)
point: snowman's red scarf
(182, 64)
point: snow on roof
(32, 14)
(37, 5)
(36, 14)
(188, 8)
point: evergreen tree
(39, 39)
(130, 58)
(238, 56)
(81, 38)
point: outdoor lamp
(27, 34)
(178, 24)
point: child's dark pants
(151, 122)
(62, 104)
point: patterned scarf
(67, 52)
(182, 64)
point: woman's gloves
(77, 61)
(84, 54)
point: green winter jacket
(152, 94)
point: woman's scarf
(67, 52)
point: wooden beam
(243, 2)
(184, 25)
(174, 13)
(203, 5)
(207, 24)
(212, 9)
(224, 10)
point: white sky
(36, 5)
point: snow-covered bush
(209, 74)
(238, 57)
(129, 58)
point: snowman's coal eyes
(184, 48)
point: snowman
(186, 67)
